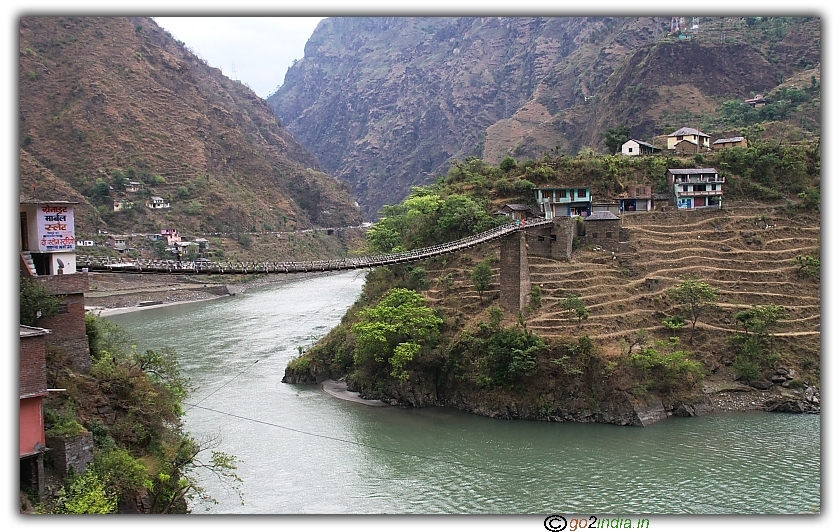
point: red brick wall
(33, 366)
(70, 324)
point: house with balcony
(688, 140)
(634, 148)
(564, 201)
(696, 188)
(156, 202)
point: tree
(807, 265)
(755, 347)
(675, 323)
(697, 296)
(395, 331)
(481, 276)
(615, 137)
(507, 164)
(36, 302)
(572, 303)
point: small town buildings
(689, 140)
(123, 205)
(119, 243)
(134, 186)
(171, 236)
(732, 142)
(33, 390)
(203, 243)
(516, 211)
(661, 201)
(564, 201)
(633, 148)
(636, 198)
(156, 202)
(48, 256)
(602, 229)
(614, 208)
(695, 188)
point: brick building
(33, 389)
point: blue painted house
(564, 201)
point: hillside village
(590, 277)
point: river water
(302, 451)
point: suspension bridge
(205, 266)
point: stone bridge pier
(554, 241)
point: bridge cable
(301, 323)
(369, 446)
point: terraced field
(745, 252)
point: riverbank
(118, 293)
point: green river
(302, 451)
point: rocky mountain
(105, 101)
(388, 103)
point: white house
(156, 202)
(633, 148)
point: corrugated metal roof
(685, 171)
(602, 215)
(687, 131)
(733, 139)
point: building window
(594, 235)
(62, 308)
(581, 192)
(679, 137)
(609, 234)
(629, 150)
(561, 193)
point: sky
(254, 50)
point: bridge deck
(243, 267)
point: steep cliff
(388, 103)
(107, 100)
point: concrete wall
(604, 233)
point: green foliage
(696, 296)
(675, 323)
(418, 279)
(507, 164)
(807, 266)
(121, 473)
(536, 297)
(667, 369)
(36, 302)
(426, 218)
(615, 137)
(755, 347)
(499, 356)
(809, 199)
(63, 423)
(105, 337)
(100, 190)
(573, 304)
(394, 332)
(446, 281)
(481, 276)
(86, 494)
